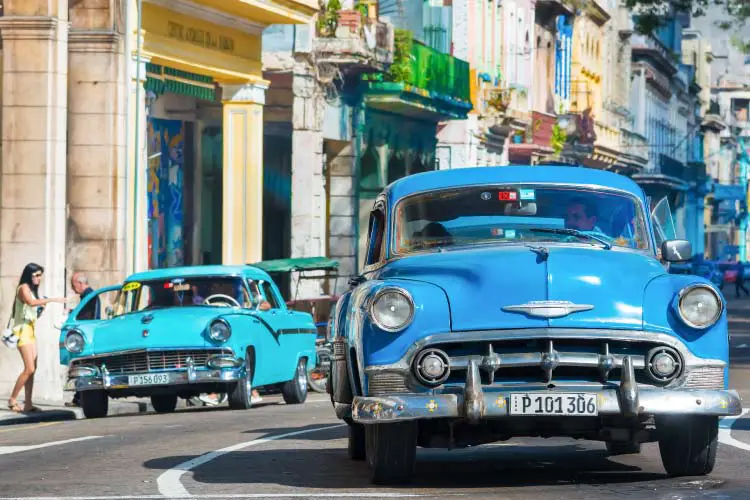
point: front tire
(688, 444)
(295, 390)
(240, 394)
(164, 403)
(391, 451)
(356, 444)
(95, 404)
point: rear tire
(95, 404)
(295, 390)
(240, 393)
(688, 444)
(356, 448)
(164, 403)
(391, 452)
(623, 447)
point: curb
(63, 414)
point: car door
(265, 338)
(283, 322)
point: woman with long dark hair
(24, 318)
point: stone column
(242, 210)
(136, 179)
(32, 178)
(96, 164)
(308, 181)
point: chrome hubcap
(301, 377)
(248, 383)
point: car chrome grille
(386, 383)
(547, 360)
(705, 378)
(143, 361)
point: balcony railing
(438, 72)
(359, 44)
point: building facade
(115, 122)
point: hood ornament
(548, 308)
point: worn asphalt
(280, 451)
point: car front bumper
(475, 403)
(176, 377)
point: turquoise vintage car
(184, 331)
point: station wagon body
(180, 332)
(526, 301)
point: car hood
(172, 327)
(480, 282)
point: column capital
(32, 28)
(251, 92)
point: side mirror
(676, 250)
(357, 280)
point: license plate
(553, 404)
(149, 379)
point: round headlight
(220, 331)
(392, 309)
(700, 306)
(74, 342)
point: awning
(163, 79)
(298, 264)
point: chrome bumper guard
(476, 404)
(221, 369)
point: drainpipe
(128, 82)
(137, 169)
(358, 120)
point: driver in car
(581, 214)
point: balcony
(359, 44)
(422, 82)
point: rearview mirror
(676, 250)
(523, 208)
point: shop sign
(731, 192)
(200, 37)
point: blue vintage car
(526, 301)
(180, 332)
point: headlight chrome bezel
(77, 333)
(685, 291)
(378, 295)
(221, 321)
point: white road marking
(725, 433)
(169, 482)
(8, 450)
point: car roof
(460, 177)
(193, 271)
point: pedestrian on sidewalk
(80, 285)
(739, 281)
(24, 317)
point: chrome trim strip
(176, 377)
(548, 308)
(225, 350)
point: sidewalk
(52, 412)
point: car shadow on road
(479, 467)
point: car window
(199, 291)
(99, 307)
(269, 294)
(375, 240)
(516, 214)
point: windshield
(182, 292)
(518, 214)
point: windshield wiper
(571, 232)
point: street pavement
(286, 451)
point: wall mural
(166, 142)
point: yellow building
(214, 45)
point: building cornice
(94, 41)
(210, 15)
(31, 28)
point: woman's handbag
(10, 336)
